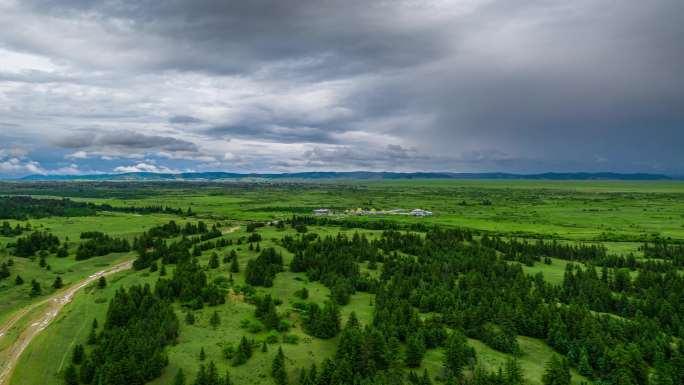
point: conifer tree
(35, 288)
(215, 320)
(180, 378)
(87, 372)
(70, 375)
(234, 266)
(514, 373)
(189, 318)
(557, 372)
(415, 349)
(18, 281)
(58, 283)
(202, 355)
(102, 282)
(584, 367)
(213, 261)
(457, 355)
(278, 371)
(77, 354)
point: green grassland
(618, 214)
(576, 210)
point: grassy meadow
(619, 214)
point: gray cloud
(125, 140)
(521, 86)
(184, 119)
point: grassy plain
(619, 214)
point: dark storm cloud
(126, 140)
(522, 86)
(184, 119)
(324, 38)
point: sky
(291, 85)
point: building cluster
(360, 211)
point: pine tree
(102, 282)
(234, 266)
(264, 347)
(70, 375)
(58, 283)
(77, 354)
(87, 372)
(180, 378)
(415, 349)
(278, 371)
(189, 318)
(18, 281)
(35, 288)
(92, 337)
(426, 378)
(213, 261)
(584, 367)
(63, 251)
(457, 355)
(215, 320)
(244, 352)
(557, 372)
(202, 355)
(514, 374)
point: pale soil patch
(40, 321)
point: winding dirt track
(38, 322)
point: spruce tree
(278, 371)
(457, 355)
(213, 261)
(215, 320)
(415, 349)
(234, 266)
(584, 367)
(87, 372)
(18, 281)
(102, 282)
(58, 283)
(180, 378)
(189, 318)
(77, 354)
(202, 355)
(35, 288)
(514, 373)
(557, 372)
(70, 375)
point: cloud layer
(468, 85)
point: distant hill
(359, 175)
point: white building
(322, 212)
(420, 213)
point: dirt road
(40, 321)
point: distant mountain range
(359, 175)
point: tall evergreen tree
(70, 375)
(415, 349)
(215, 320)
(557, 372)
(278, 371)
(180, 378)
(457, 355)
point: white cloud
(145, 167)
(13, 166)
(77, 155)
